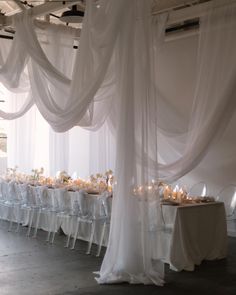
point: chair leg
(11, 217)
(19, 215)
(1, 218)
(37, 224)
(31, 215)
(101, 239)
(69, 233)
(48, 236)
(53, 237)
(54, 223)
(50, 226)
(49, 230)
(76, 234)
(91, 237)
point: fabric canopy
(113, 79)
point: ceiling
(47, 10)
(10, 7)
(51, 10)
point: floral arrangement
(63, 177)
(37, 173)
(12, 171)
(96, 183)
(102, 182)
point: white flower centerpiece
(63, 177)
(37, 175)
(102, 182)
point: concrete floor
(32, 267)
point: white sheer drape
(214, 100)
(32, 143)
(113, 79)
(102, 150)
(125, 260)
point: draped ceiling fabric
(214, 101)
(112, 79)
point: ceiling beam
(191, 12)
(20, 5)
(175, 16)
(162, 6)
(43, 9)
(188, 13)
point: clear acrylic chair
(73, 215)
(17, 205)
(3, 200)
(63, 210)
(228, 195)
(83, 215)
(1, 195)
(27, 207)
(34, 207)
(9, 201)
(22, 190)
(104, 218)
(198, 189)
(44, 207)
(60, 209)
(97, 215)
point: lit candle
(180, 195)
(167, 192)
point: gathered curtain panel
(112, 79)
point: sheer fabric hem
(125, 277)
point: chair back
(63, 199)
(18, 192)
(55, 198)
(42, 194)
(1, 196)
(32, 197)
(4, 188)
(198, 190)
(228, 195)
(82, 202)
(11, 193)
(106, 204)
(23, 188)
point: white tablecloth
(65, 200)
(92, 204)
(192, 233)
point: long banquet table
(192, 233)
(93, 205)
(61, 198)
